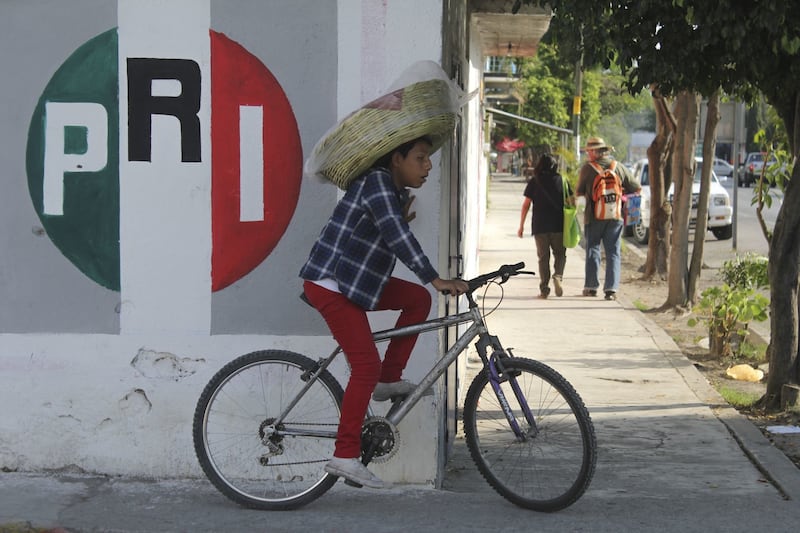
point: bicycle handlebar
(504, 272)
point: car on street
(720, 211)
(750, 172)
(722, 168)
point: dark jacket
(546, 193)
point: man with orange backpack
(603, 181)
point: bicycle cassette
(379, 439)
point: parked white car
(720, 211)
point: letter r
(142, 104)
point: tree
(709, 151)
(655, 42)
(687, 109)
(660, 211)
(546, 87)
(740, 48)
(763, 52)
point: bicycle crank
(379, 439)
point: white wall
(379, 41)
(121, 403)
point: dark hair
(403, 149)
(547, 164)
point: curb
(778, 469)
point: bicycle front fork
(498, 374)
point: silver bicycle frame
(400, 409)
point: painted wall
(138, 259)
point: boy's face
(411, 171)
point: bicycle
(266, 423)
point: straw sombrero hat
(424, 108)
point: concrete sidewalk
(672, 456)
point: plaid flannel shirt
(365, 235)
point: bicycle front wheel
(550, 465)
(246, 455)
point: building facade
(155, 213)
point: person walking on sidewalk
(603, 181)
(545, 192)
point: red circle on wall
(238, 78)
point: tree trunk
(784, 268)
(719, 342)
(784, 258)
(687, 108)
(657, 154)
(701, 226)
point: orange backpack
(607, 193)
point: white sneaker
(354, 470)
(385, 391)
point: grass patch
(641, 306)
(738, 398)
(753, 352)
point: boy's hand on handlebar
(450, 286)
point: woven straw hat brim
(360, 139)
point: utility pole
(738, 140)
(576, 101)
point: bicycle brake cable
(483, 298)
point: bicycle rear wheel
(245, 456)
(552, 466)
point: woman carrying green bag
(548, 193)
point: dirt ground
(649, 296)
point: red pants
(349, 325)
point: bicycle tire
(231, 416)
(549, 470)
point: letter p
(58, 160)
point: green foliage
(544, 101)
(570, 165)
(727, 310)
(752, 352)
(694, 45)
(769, 129)
(776, 172)
(548, 87)
(778, 169)
(746, 272)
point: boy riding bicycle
(349, 273)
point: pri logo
(103, 112)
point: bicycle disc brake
(379, 439)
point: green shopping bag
(572, 231)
